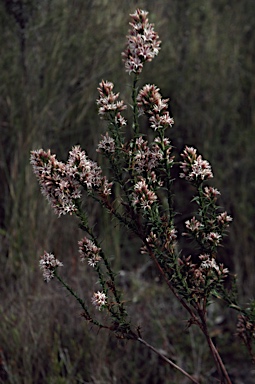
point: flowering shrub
(143, 171)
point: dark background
(53, 54)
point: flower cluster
(82, 168)
(61, 182)
(110, 107)
(194, 226)
(152, 242)
(211, 193)
(165, 146)
(106, 145)
(146, 158)
(170, 239)
(209, 229)
(57, 184)
(48, 265)
(164, 240)
(88, 173)
(194, 167)
(201, 279)
(214, 238)
(210, 235)
(143, 43)
(143, 197)
(150, 101)
(89, 251)
(152, 239)
(99, 299)
(209, 264)
(223, 220)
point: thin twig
(167, 360)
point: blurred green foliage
(52, 56)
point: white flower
(99, 299)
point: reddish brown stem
(216, 356)
(183, 303)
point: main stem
(135, 107)
(202, 324)
(216, 356)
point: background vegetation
(53, 54)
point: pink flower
(200, 169)
(57, 183)
(211, 193)
(163, 121)
(119, 120)
(88, 173)
(194, 225)
(61, 183)
(150, 101)
(209, 263)
(171, 236)
(214, 238)
(142, 43)
(105, 188)
(146, 158)
(194, 167)
(48, 265)
(152, 239)
(108, 103)
(224, 219)
(149, 97)
(84, 169)
(107, 144)
(143, 196)
(88, 250)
